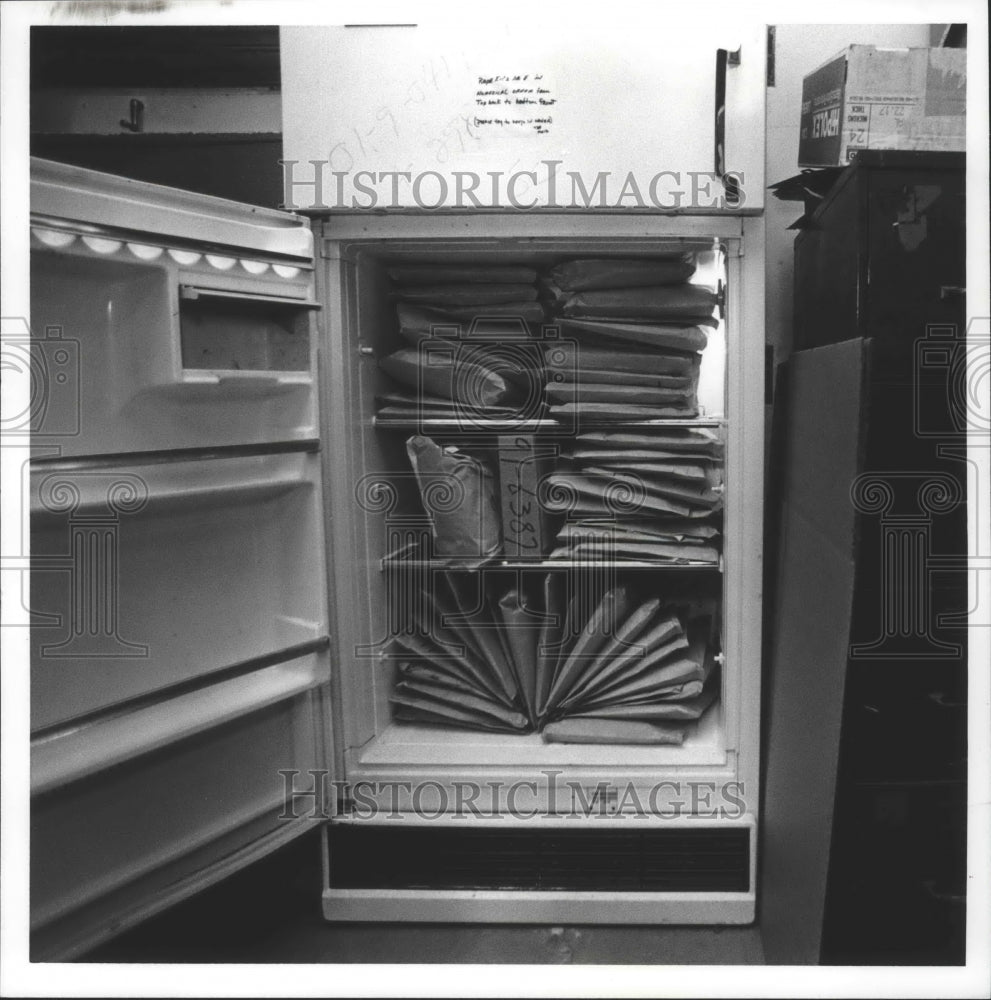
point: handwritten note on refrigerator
(519, 101)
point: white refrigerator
(229, 542)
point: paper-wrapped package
(459, 495)
(618, 272)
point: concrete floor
(271, 913)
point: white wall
(800, 49)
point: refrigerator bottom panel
(467, 906)
(609, 871)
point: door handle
(136, 121)
(731, 185)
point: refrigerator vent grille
(677, 860)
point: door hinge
(771, 45)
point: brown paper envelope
(670, 303)
(607, 618)
(485, 637)
(445, 677)
(480, 295)
(549, 640)
(673, 528)
(636, 624)
(576, 493)
(577, 357)
(609, 731)
(679, 490)
(674, 710)
(691, 472)
(432, 713)
(590, 392)
(460, 701)
(701, 440)
(639, 552)
(522, 636)
(455, 274)
(662, 639)
(449, 662)
(613, 412)
(657, 671)
(611, 272)
(661, 335)
(608, 377)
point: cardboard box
(871, 98)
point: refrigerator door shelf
(153, 575)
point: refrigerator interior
(380, 580)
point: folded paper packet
(526, 310)
(571, 357)
(452, 601)
(673, 678)
(690, 471)
(633, 456)
(600, 376)
(696, 493)
(411, 708)
(656, 639)
(478, 295)
(694, 439)
(612, 412)
(609, 731)
(588, 274)
(456, 661)
(660, 335)
(582, 499)
(596, 632)
(442, 698)
(456, 274)
(471, 620)
(549, 640)
(521, 632)
(577, 493)
(506, 322)
(665, 529)
(626, 532)
(414, 670)
(455, 375)
(491, 661)
(435, 406)
(672, 303)
(588, 392)
(459, 494)
(622, 639)
(680, 711)
(639, 551)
